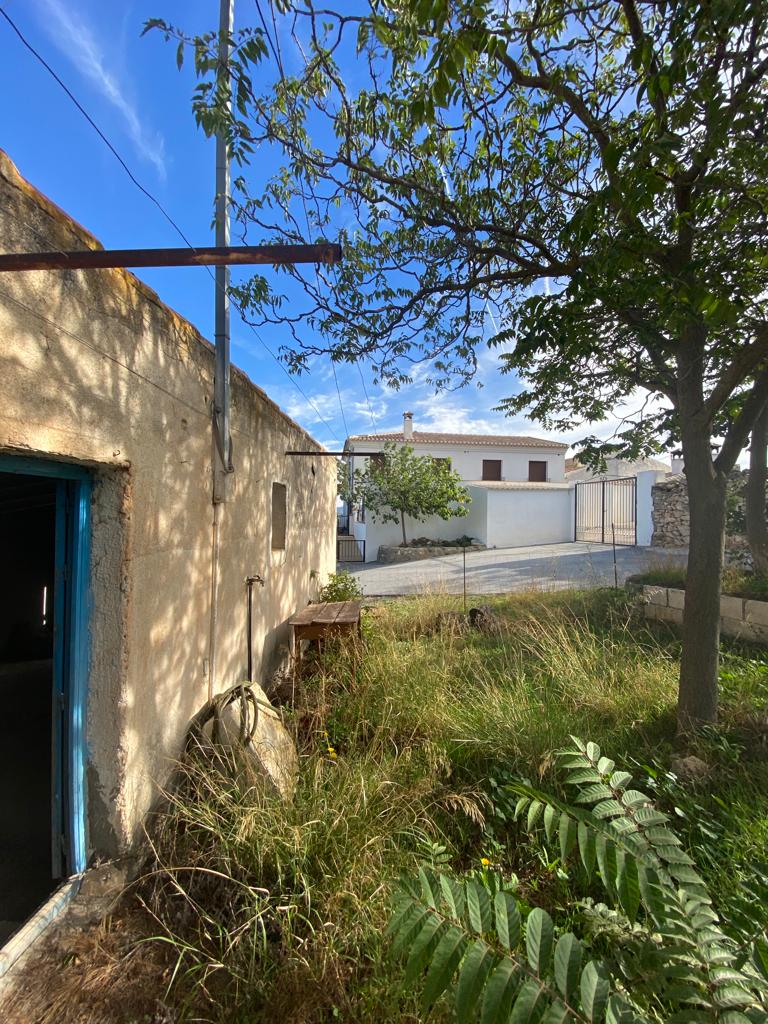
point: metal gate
(348, 549)
(606, 511)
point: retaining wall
(739, 617)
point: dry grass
(270, 911)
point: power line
(277, 53)
(365, 392)
(158, 204)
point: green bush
(654, 950)
(341, 586)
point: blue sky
(131, 87)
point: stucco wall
(468, 461)
(94, 368)
(530, 515)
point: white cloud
(77, 41)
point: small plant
(341, 586)
(665, 955)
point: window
(537, 472)
(442, 461)
(279, 516)
(491, 469)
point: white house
(475, 457)
(517, 484)
(615, 469)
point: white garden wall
(536, 514)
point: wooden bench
(321, 621)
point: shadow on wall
(97, 370)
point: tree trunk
(754, 493)
(697, 698)
(402, 524)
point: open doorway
(27, 557)
(44, 527)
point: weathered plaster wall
(94, 368)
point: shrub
(655, 950)
(341, 586)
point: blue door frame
(72, 606)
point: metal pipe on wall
(221, 439)
(222, 446)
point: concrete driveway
(500, 570)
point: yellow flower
(484, 861)
(332, 754)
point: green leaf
(422, 946)
(628, 886)
(567, 835)
(558, 1013)
(534, 813)
(586, 847)
(410, 925)
(539, 936)
(445, 960)
(453, 896)
(568, 953)
(550, 821)
(507, 920)
(430, 887)
(527, 1005)
(478, 907)
(474, 971)
(499, 991)
(620, 780)
(595, 990)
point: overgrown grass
(736, 582)
(276, 911)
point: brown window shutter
(491, 469)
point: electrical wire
(277, 53)
(161, 208)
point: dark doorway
(27, 558)
(491, 469)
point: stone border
(392, 553)
(739, 616)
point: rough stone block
(756, 612)
(674, 615)
(735, 627)
(655, 595)
(732, 607)
(676, 598)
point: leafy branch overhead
(668, 956)
(579, 184)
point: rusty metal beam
(211, 255)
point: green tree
(591, 171)
(399, 483)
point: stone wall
(671, 520)
(739, 617)
(413, 553)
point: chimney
(677, 465)
(408, 426)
